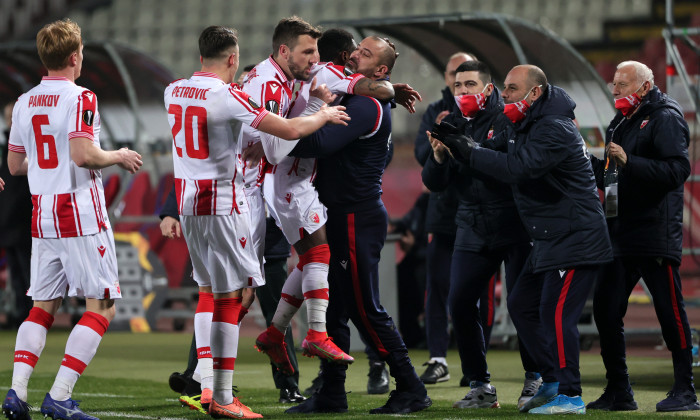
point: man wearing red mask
(554, 189)
(489, 231)
(647, 150)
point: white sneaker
(530, 388)
(480, 396)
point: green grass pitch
(128, 380)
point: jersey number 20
(45, 143)
(191, 112)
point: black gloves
(442, 130)
(460, 145)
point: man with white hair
(645, 166)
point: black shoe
(316, 384)
(178, 381)
(319, 403)
(436, 372)
(402, 403)
(378, 382)
(291, 396)
(193, 388)
(679, 401)
(614, 400)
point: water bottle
(695, 339)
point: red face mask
(517, 110)
(628, 104)
(471, 104)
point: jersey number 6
(45, 143)
(201, 151)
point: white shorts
(258, 226)
(222, 252)
(293, 200)
(85, 266)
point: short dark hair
(479, 66)
(537, 77)
(215, 40)
(249, 67)
(333, 42)
(288, 31)
(389, 54)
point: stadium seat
(138, 200)
(111, 187)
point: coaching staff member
(554, 189)
(350, 167)
(647, 144)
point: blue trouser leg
(471, 273)
(545, 308)
(438, 257)
(564, 295)
(355, 241)
(610, 306)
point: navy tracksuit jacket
(647, 234)
(554, 189)
(440, 223)
(489, 232)
(350, 167)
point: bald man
(550, 171)
(647, 159)
(441, 228)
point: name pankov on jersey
(68, 200)
(206, 116)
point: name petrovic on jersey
(189, 92)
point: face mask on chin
(517, 110)
(629, 103)
(469, 105)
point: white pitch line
(81, 394)
(132, 416)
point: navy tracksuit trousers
(662, 278)
(545, 308)
(355, 241)
(438, 263)
(472, 274)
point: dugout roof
(502, 42)
(129, 86)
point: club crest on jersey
(490, 134)
(116, 284)
(251, 74)
(101, 250)
(243, 241)
(88, 117)
(314, 217)
(644, 123)
(288, 197)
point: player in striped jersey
(55, 141)
(206, 113)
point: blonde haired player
(55, 141)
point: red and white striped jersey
(335, 79)
(68, 200)
(268, 84)
(206, 116)
(277, 149)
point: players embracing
(206, 113)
